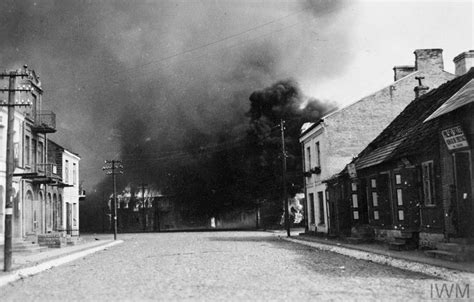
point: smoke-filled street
(202, 131)
(217, 266)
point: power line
(200, 151)
(193, 49)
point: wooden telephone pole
(112, 168)
(10, 164)
(285, 194)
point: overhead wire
(194, 49)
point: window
(428, 182)
(60, 210)
(355, 203)
(399, 197)
(40, 153)
(308, 158)
(398, 179)
(311, 205)
(356, 215)
(66, 171)
(321, 208)
(318, 156)
(74, 174)
(376, 215)
(375, 201)
(373, 183)
(74, 214)
(27, 150)
(401, 215)
(33, 152)
(29, 110)
(354, 187)
(55, 212)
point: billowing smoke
(226, 167)
(281, 102)
(165, 85)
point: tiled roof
(378, 156)
(408, 134)
(463, 97)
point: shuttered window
(427, 172)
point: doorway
(464, 187)
(32, 214)
(68, 218)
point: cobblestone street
(217, 266)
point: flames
(140, 197)
(295, 209)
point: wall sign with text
(454, 138)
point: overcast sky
(385, 34)
(107, 66)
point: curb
(33, 270)
(417, 267)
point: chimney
(402, 71)
(429, 59)
(463, 62)
(420, 89)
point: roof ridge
(409, 122)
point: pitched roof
(408, 134)
(461, 98)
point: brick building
(331, 143)
(413, 184)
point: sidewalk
(27, 264)
(413, 260)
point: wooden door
(384, 199)
(464, 188)
(406, 199)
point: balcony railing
(47, 170)
(45, 122)
(42, 173)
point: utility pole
(110, 168)
(285, 195)
(142, 186)
(10, 164)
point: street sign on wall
(454, 138)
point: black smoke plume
(281, 102)
(164, 85)
(226, 170)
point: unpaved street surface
(218, 266)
